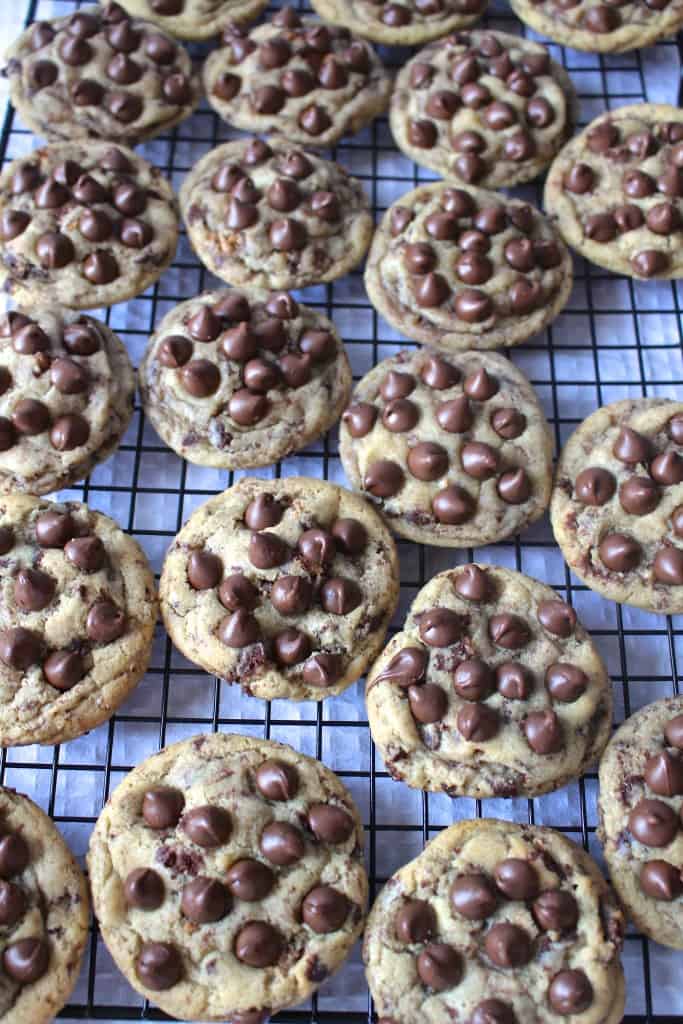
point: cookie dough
(97, 74)
(483, 107)
(228, 878)
(617, 503)
(238, 380)
(77, 616)
(44, 913)
(296, 77)
(615, 192)
(492, 688)
(600, 26)
(195, 19)
(84, 225)
(268, 215)
(496, 923)
(66, 398)
(641, 786)
(466, 268)
(455, 451)
(402, 23)
(285, 586)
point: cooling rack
(617, 338)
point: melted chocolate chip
(473, 896)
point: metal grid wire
(617, 338)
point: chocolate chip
(477, 723)
(619, 552)
(422, 134)
(668, 566)
(33, 589)
(13, 903)
(439, 966)
(383, 478)
(543, 732)
(649, 262)
(431, 290)
(664, 774)
(30, 339)
(628, 217)
(473, 896)
(323, 669)
(428, 703)
(13, 223)
(415, 922)
(291, 646)
(473, 680)
(81, 339)
(330, 824)
(54, 250)
(671, 182)
(514, 487)
(325, 909)
(204, 569)
(86, 553)
(277, 780)
(653, 823)
(516, 879)
(259, 944)
(26, 960)
(200, 378)
(472, 305)
(281, 843)
(594, 486)
(406, 668)
(493, 1011)
(162, 807)
(479, 460)
(249, 880)
(340, 596)
(100, 268)
(440, 627)
(205, 900)
(667, 468)
(427, 461)
(207, 826)
(14, 855)
(6, 539)
(555, 911)
(159, 966)
(508, 945)
(105, 622)
(673, 732)
(7, 434)
(639, 495)
(658, 879)
(579, 179)
(453, 505)
(508, 631)
(571, 992)
(20, 648)
(472, 584)
(63, 669)
(240, 629)
(87, 93)
(143, 889)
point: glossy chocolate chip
(513, 681)
(33, 589)
(431, 291)
(26, 960)
(668, 566)
(359, 418)
(13, 223)
(664, 774)
(54, 250)
(263, 511)
(508, 945)
(323, 669)
(14, 855)
(282, 843)
(667, 468)
(473, 896)
(653, 823)
(330, 824)
(249, 880)
(339, 596)
(650, 262)
(205, 900)
(555, 911)
(427, 461)
(570, 991)
(543, 732)
(508, 631)
(159, 966)
(493, 1011)
(208, 826)
(472, 584)
(317, 549)
(105, 622)
(259, 944)
(236, 591)
(565, 682)
(473, 306)
(324, 909)
(277, 780)
(428, 703)
(292, 595)
(473, 680)
(6, 539)
(480, 386)
(453, 506)
(204, 569)
(439, 374)
(20, 648)
(162, 807)
(406, 668)
(579, 179)
(415, 922)
(639, 495)
(660, 880)
(383, 478)
(673, 732)
(619, 552)
(517, 879)
(594, 486)
(291, 646)
(13, 903)
(86, 553)
(267, 550)
(63, 669)
(479, 460)
(350, 536)
(439, 966)
(143, 889)
(440, 627)
(637, 184)
(477, 723)
(238, 630)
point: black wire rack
(617, 338)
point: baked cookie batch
(227, 871)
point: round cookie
(285, 586)
(496, 923)
(486, 108)
(492, 688)
(464, 268)
(295, 77)
(66, 398)
(641, 786)
(228, 879)
(617, 503)
(44, 913)
(600, 26)
(615, 192)
(267, 215)
(401, 23)
(77, 615)
(99, 74)
(455, 452)
(239, 380)
(84, 225)
(194, 19)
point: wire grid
(617, 338)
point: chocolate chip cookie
(615, 192)
(66, 398)
(492, 688)
(194, 19)
(486, 108)
(77, 616)
(617, 503)
(44, 913)
(496, 923)
(100, 74)
(298, 78)
(455, 452)
(238, 380)
(284, 586)
(84, 225)
(641, 786)
(466, 268)
(600, 26)
(228, 878)
(267, 215)
(402, 23)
